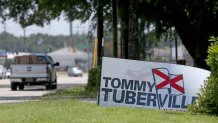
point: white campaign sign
(149, 84)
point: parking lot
(35, 92)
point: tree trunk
(133, 48)
(99, 31)
(142, 40)
(195, 35)
(114, 10)
(124, 21)
(196, 44)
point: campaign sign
(149, 84)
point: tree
(207, 98)
(124, 22)
(39, 12)
(100, 28)
(133, 43)
(194, 21)
(26, 12)
(114, 14)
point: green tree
(194, 21)
(207, 98)
(40, 42)
(39, 12)
(80, 9)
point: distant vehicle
(33, 69)
(2, 72)
(74, 71)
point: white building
(170, 53)
(68, 56)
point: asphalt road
(35, 92)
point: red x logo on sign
(167, 80)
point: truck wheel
(54, 85)
(21, 86)
(13, 86)
(49, 86)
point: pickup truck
(33, 69)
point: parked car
(2, 72)
(74, 71)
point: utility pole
(5, 37)
(50, 48)
(71, 34)
(24, 39)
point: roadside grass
(73, 110)
(75, 92)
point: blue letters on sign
(130, 92)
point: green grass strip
(53, 109)
(75, 111)
(74, 92)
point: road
(35, 92)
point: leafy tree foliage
(40, 42)
(194, 21)
(208, 100)
(71, 9)
(26, 12)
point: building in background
(69, 56)
(169, 55)
(3, 56)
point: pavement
(34, 93)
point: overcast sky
(56, 27)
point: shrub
(208, 97)
(93, 80)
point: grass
(76, 111)
(75, 92)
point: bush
(207, 98)
(94, 80)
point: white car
(2, 72)
(74, 71)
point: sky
(57, 27)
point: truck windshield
(42, 59)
